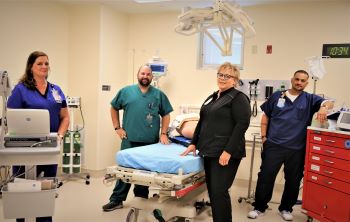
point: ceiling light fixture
(151, 1)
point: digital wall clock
(336, 50)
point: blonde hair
(234, 69)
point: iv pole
(316, 68)
(315, 78)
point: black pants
(121, 189)
(273, 156)
(38, 219)
(219, 179)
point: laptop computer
(28, 122)
(29, 127)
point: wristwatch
(117, 128)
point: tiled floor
(78, 202)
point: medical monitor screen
(344, 120)
(158, 69)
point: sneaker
(255, 214)
(112, 206)
(286, 215)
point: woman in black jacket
(219, 138)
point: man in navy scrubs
(283, 132)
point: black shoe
(112, 206)
(142, 196)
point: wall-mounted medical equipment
(253, 96)
(224, 16)
(263, 88)
(159, 68)
(5, 91)
(343, 122)
(5, 88)
(268, 91)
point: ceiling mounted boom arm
(224, 16)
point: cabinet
(29, 204)
(326, 191)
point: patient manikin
(187, 128)
(184, 125)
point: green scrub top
(142, 111)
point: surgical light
(226, 17)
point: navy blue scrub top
(53, 100)
(288, 122)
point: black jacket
(222, 125)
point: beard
(144, 82)
(298, 88)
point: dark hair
(301, 71)
(27, 79)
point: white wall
(27, 27)
(84, 67)
(113, 72)
(98, 48)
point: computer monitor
(343, 121)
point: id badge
(281, 102)
(56, 96)
(207, 102)
(149, 119)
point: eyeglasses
(224, 76)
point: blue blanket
(159, 158)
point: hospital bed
(178, 182)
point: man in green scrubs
(145, 108)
